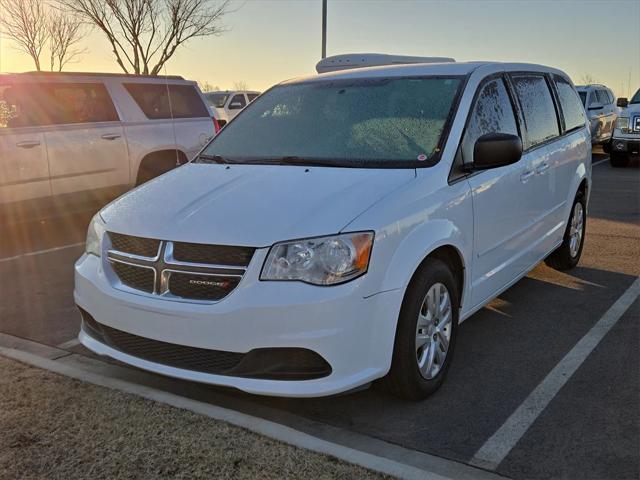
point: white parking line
(599, 162)
(498, 446)
(74, 342)
(40, 252)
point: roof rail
(98, 74)
(361, 60)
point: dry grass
(54, 427)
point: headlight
(94, 236)
(623, 124)
(320, 261)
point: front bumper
(352, 333)
(625, 145)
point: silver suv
(599, 102)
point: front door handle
(110, 136)
(524, 178)
(28, 144)
(542, 168)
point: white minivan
(340, 228)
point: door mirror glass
(496, 150)
(596, 106)
(623, 102)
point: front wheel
(567, 255)
(426, 333)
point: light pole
(324, 28)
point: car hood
(250, 205)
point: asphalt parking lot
(590, 429)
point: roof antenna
(173, 123)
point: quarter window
(537, 108)
(252, 96)
(571, 104)
(159, 101)
(492, 113)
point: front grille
(144, 247)
(201, 287)
(214, 254)
(171, 354)
(176, 270)
(134, 276)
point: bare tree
(240, 85)
(144, 34)
(587, 79)
(65, 32)
(207, 86)
(25, 22)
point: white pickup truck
(626, 136)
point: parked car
(600, 104)
(67, 133)
(339, 230)
(626, 137)
(228, 103)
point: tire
(155, 164)
(619, 160)
(567, 255)
(606, 146)
(405, 378)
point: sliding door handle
(28, 144)
(524, 178)
(542, 168)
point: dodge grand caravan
(340, 228)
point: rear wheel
(426, 333)
(567, 255)
(619, 160)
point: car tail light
(216, 125)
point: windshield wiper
(316, 162)
(211, 158)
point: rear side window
(237, 102)
(571, 104)
(537, 107)
(80, 103)
(603, 98)
(492, 113)
(159, 101)
(38, 104)
(252, 96)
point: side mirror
(235, 105)
(596, 106)
(623, 102)
(494, 150)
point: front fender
(417, 245)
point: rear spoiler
(361, 60)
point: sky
(272, 40)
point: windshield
(636, 97)
(583, 97)
(217, 99)
(350, 122)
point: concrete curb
(432, 467)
